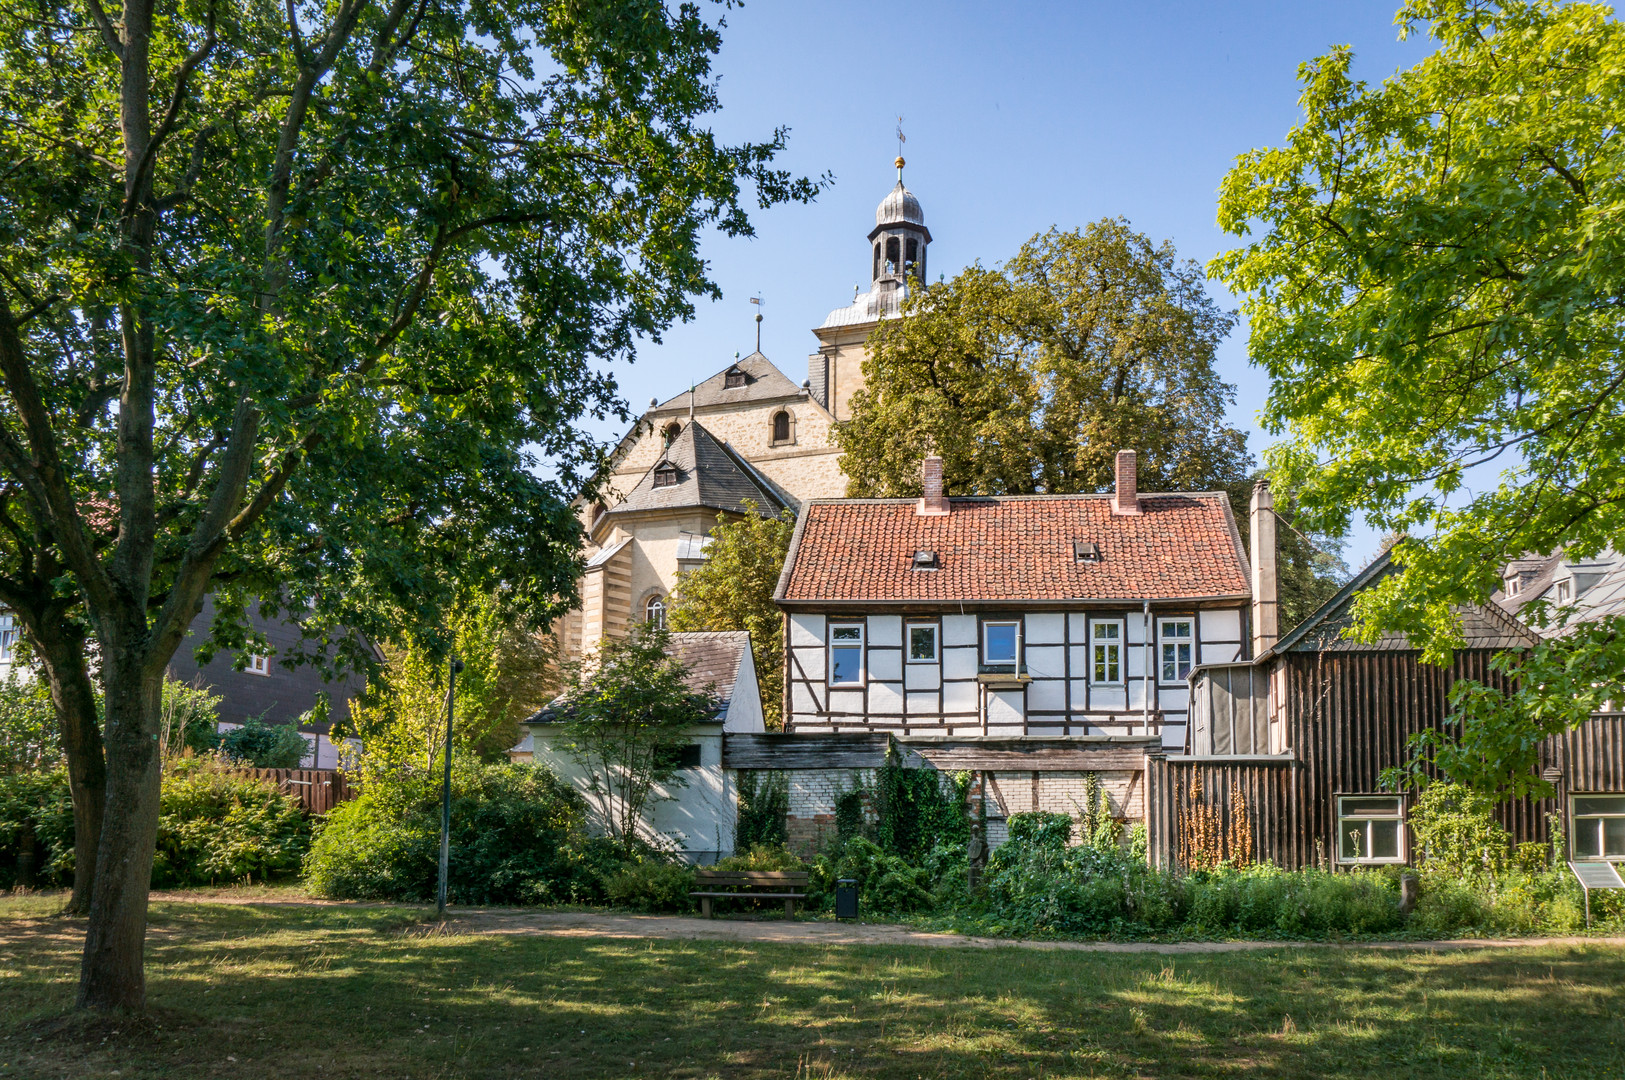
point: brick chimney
(1127, 498)
(933, 502)
(1266, 585)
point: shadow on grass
(279, 992)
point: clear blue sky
(1019, 116)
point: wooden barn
(1283, 752)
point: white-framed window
(1599, 827)
(9, 633)
(1565, 591)
(1370, 829)
(258, 665)
(1178, 647)
(846, 654)
(1001, 643)
(1105, 651)
(922, 643)
(654, 611)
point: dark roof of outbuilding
(709, 474)
(1015, 548)
(712, 657)
(1483, 626)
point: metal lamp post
(445, 791)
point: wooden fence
(318, 790)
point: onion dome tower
(899, 238)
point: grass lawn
(263, 992)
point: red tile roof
(1018, 548)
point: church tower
(897, 259)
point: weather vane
(901, 139)
(757, 300)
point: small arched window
(781, 426)
(893, 259)
(877, 261)
(654, 611)
(913, 256)
(671, 432)
(598, 512)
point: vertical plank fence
(318, 790)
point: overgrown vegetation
(214, 827)
(518, 837)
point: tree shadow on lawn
(356, 993)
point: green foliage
(626, 710)
(733, 590)
(264, 746)
(852, 814)
(518, 836)
(762, 857)
(886, 882)
(1040, 829)
(1029, 378)
(764, 805)
(918, 809)
(1456, 833)
(1432, 283)
(187, 719)
(655, 885)
(36, 817)
(30, 738)
(216, 827)
(402, 722)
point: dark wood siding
(1351, 715)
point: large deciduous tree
(1433, 281)
(733, 590)
(294, 299)
(1029, 378)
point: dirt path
(592, 924)
(687, 928)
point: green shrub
(885, 882)
(517, 836)
(762, 857)
(36, 814)
(1456, 832)
(652, 886)
(264, 746)
(1041, 829)
(918, 809)
(30, 740)
(215, 826)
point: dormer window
(925, 560)
(1514, 585)
(1565, 591)
(733, 379)
(1085, 551)
(665, 475)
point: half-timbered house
(1029, 616)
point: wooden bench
(786, 885)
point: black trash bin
(846, 898)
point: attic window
(733, 379)
(1085, 551)
(925, 560)
(665, 475)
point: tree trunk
(111, 976)
(61, 644)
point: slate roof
(1015, 548)
(763, 382)
(709, 475)
(1483, 626)
(1598, 584)
(713, 658)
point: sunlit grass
(375, 992)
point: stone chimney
(1127, 498)
(1266, 586)
(932, 502)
